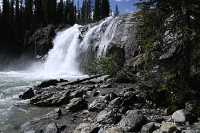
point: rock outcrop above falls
(40, 42)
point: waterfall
(62, 58)
(68, 45)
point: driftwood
(81, 80)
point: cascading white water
(107, 38)
(95, 34)
(62, 58)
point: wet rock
(179, 116)
(148, 128)
(114, 130)
(115, 103)
(132, 121)
(129, 99)
(98, 104)
(51, 98)
(110, 96)
(28, 94)
(51, 128)
(48, 83)
(191, 131)
(86, 128)
(167, 127)
(76, 104)
(108, 116)
(106, 86)
(96, 93)
(78, 93)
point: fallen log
(82, 80)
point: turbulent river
(13, 111)
(63, 61)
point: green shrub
(104, 65)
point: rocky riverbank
(101, 104)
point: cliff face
(39, 43)
(125, 35)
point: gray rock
(48, 98)
(179, 116)
(98, 104)
(28, 94)
(76, 104)
(78, 93)
(48, 83)
(191, 131)
(51, 128)
(148, 128)
(132, 121)
(114, 130)
(168, 127)
(108, 116)
(86, 128)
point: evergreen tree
(86, 11)
(17, 11)
(5, 13)
(51, 11)
(105, 9)
(60, 12)
(97, 10)
(28, 13)
(78, 12)
(102, 9)
(38, 12)
(12, 11)
(70, 12)
(116, 10)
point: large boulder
(132, 121)
(179, 116)
(76, 104)
(28, 94)
(108, 116)
(48, 98)
(167, 127)
(98, 104)
(51, 128)
(86, 128)
(148, 128)
(113, 130)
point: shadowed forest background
(20, 18)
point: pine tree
(51, 11)
(28, 13)
(78, 12)
(105, 9)
(5, 13)
(116, 10)
(70, 12)
(86, 11)
(60, 12)
(38, 12)
(12, 11)
(17, 11)
(97, 10)
(102, 9)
